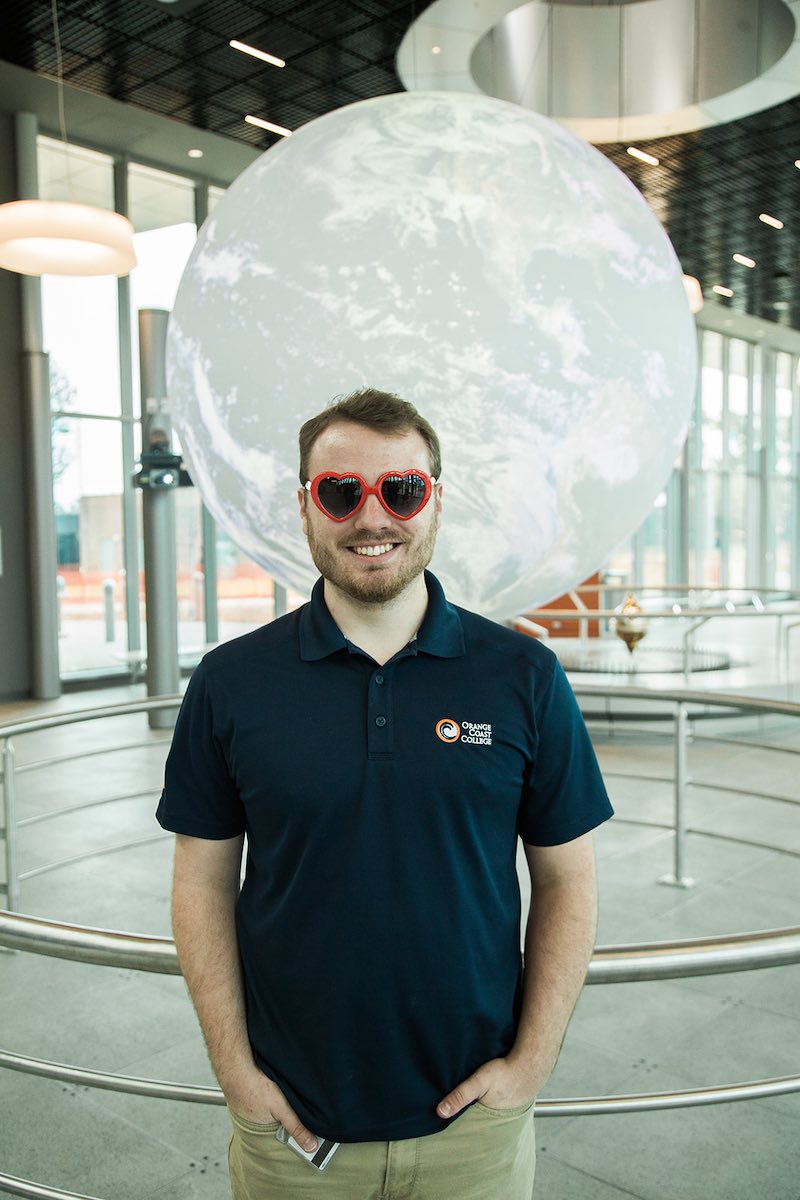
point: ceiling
(173, 59)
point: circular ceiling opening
(611, 71)
(606, 64)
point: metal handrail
(573, 1106)
(626, 691)
(633, 963)
(126, 708)
(12, 1185)
(577, 1107)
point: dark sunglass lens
(404, 493)
(339, 496)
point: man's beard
(377, 586)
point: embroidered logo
(473, 733)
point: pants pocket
(254, 1126)
(520, 1111)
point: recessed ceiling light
(768, 220)
(267, 58)
(195, 153)
(781, 305)
(436, 49)
(744, 260)
(797, 163)
(641, 154)
(721, 291)
(268, 125)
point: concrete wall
(15, 631)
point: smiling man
(383, 751)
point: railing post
(10, 819)
(681, 725)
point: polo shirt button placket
(379, 712)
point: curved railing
(610, 964)
(692, 613)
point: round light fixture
(54, 237)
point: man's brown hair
(382, 411)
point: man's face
(339, 548)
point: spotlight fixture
(268, 125)
(254, 53)
(722, 291)
(781, 305)
(744, 261)
(195, 153)
(643, 156)
(768, 220)
(797, 163)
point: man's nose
(372, 512)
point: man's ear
(302, 500)
(438, 501)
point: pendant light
(58, 237)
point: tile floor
(624, 1038)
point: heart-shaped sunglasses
(402, 493)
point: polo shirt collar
(440, 634)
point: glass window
(738, 402)
(783, 533)
(79, 319)
(162, 212)
(711, 400)
(157, 199)
(737, 531)
(72, 173)
(87, 490)
(783, 414)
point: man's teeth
(374, 551)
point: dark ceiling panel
(708, 188)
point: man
(382, 750)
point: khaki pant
(485, 1154)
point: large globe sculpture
(480, 261)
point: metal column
(46, 682)
(208, 524)
(158, 520)
(677, 878)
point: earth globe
(478, 260)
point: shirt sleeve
(200, 797)
(564, 795)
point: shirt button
(379, 679)
(380, 722)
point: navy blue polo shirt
(379, 919)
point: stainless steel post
(158, 522)
(46, 682)
(208, 524)
(10, 818)
(108, 608)
(130, 520)
(677, 877)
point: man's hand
(259, 1099)
(500, 1083)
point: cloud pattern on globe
(482, 262)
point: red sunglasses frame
(312, 486)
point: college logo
(448, 730)
(476, 734)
